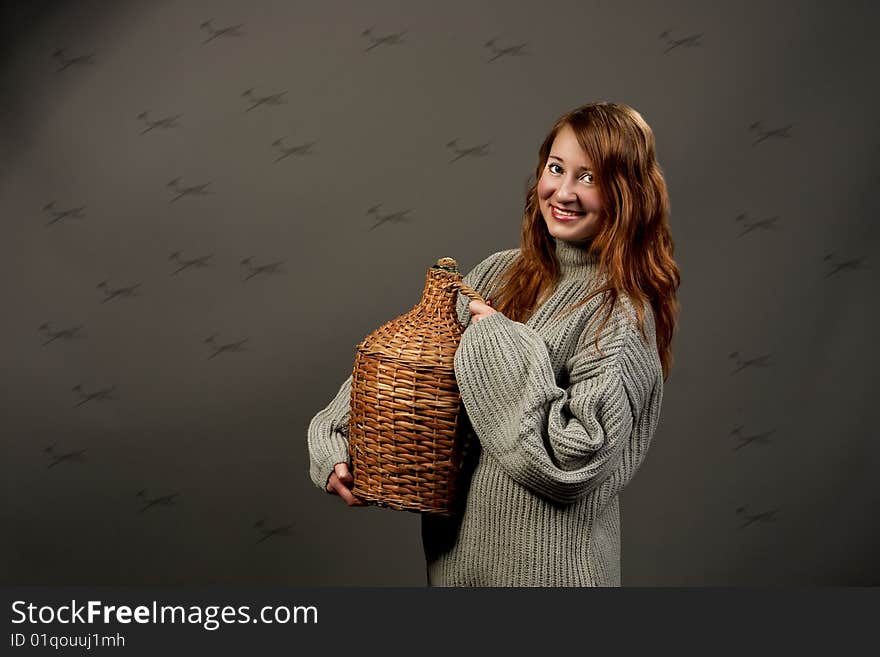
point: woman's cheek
(544, 189)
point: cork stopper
(446, 264)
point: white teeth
(567, 213)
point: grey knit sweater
(561, 429)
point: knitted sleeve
(328, 436)
(560, 442)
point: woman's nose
(565, 192)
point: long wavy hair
(633, 246)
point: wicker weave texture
(405, 436)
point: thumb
(342, 472)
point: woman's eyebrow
(555, 157)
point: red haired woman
(562, 376)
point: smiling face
(567, 193)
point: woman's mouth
(564, 215)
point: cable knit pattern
(561, 429)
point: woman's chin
(575, 231)
(559, 230)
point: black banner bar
(166, 621)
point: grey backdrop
(192, 469)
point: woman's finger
(479, 308)
(349, 497)
(341, 486)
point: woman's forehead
(567, 149)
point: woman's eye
(588, 178)
(554, 168)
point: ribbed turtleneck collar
(574, 259)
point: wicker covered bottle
(406, 438)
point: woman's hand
(340, 483)
(481, 310)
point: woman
(562, 375)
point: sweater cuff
(333, 451)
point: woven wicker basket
(406, 440)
